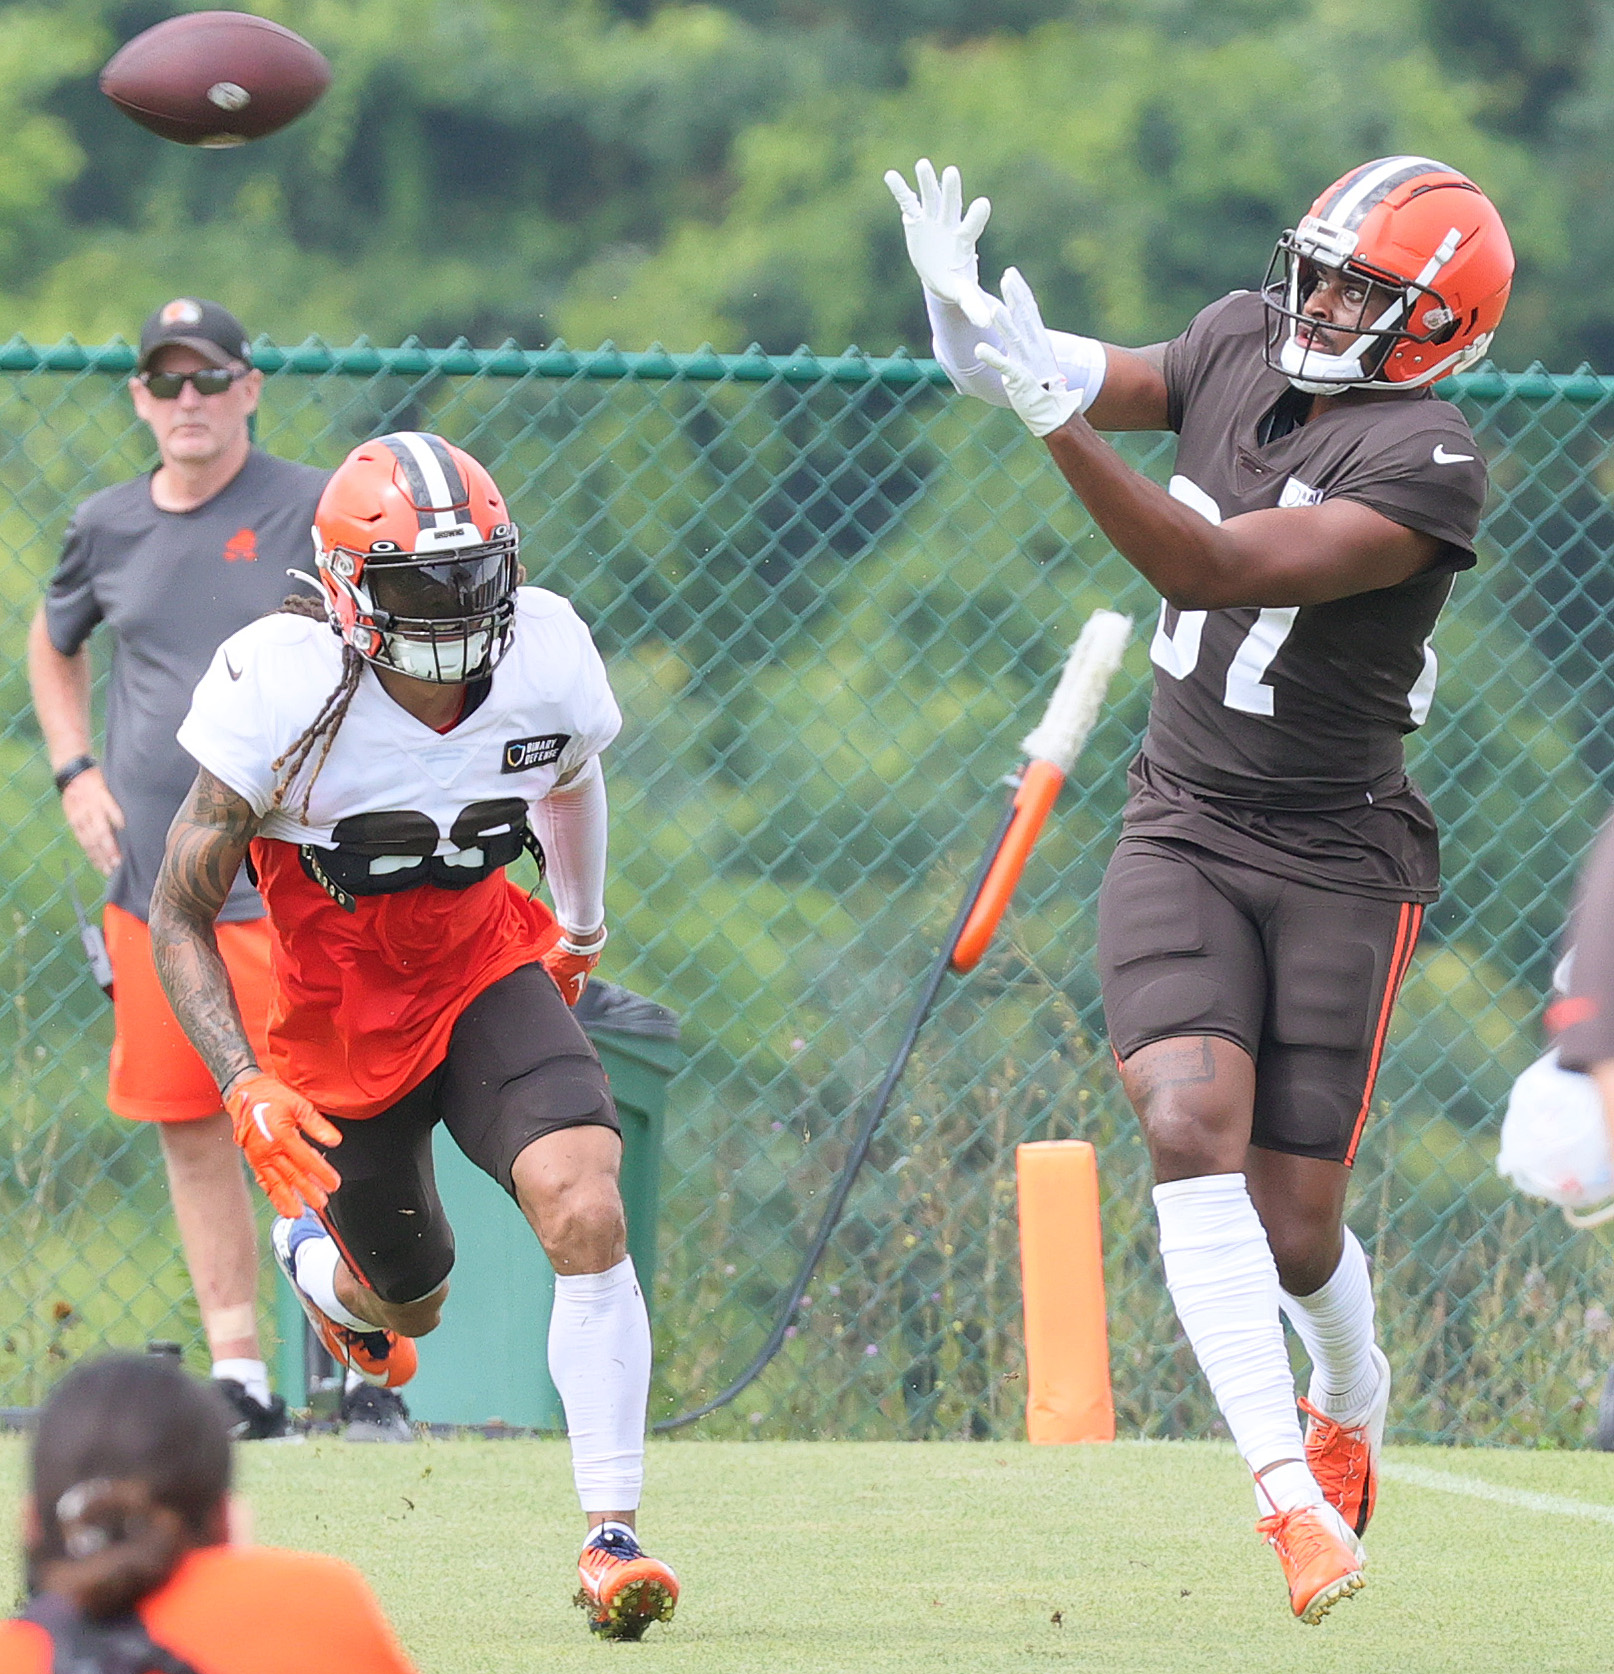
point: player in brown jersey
(1262, 905)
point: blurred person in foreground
(376, 754)
(1562, 1146)
(130, 1561)
(173, 562)
(1262, 906)
(1581, 1020)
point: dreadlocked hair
(322, 730)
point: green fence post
(291, 1361)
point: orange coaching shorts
(155, 1074)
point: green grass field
(867, 1558)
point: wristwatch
(70, 770)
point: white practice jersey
(550, 709)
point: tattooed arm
(206, 845)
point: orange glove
(269, 1120)
(569, 963)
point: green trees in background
(533, 168)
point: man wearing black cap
(174, 562)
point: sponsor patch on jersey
(522, 753)
(1298, 493)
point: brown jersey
(1275, 735)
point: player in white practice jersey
(376, 756)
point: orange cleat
(622, 1590)
(1322, 1560)
(382, 1358)
(1345, 1457)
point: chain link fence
(833, 597)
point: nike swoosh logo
(235, 673)
(1441, 457)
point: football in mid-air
(215, 78)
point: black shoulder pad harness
(80, 1646)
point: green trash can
(487, 1361)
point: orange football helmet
(417, 557)
(1409, 226)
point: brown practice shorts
(518, 1067)
(155, 1074)
(1303, 979)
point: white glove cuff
(1043, 418)
(1084, 363)
(1041, 406)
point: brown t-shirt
(1275, 735)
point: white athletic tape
(1473, 1488)
(1072, 710)
(239, 1319)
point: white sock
(315, 1263)
(1285, 1486)
(599, 1358)
(252, 1375)
(1224, 1284)
(1336, 1324)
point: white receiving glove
(1033, 379)
(1554, 1142)
(941, 237)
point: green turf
(873, 1557)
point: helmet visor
(443, 616)
(447, 589)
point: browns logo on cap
(191, 323)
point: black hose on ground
(859, 1152)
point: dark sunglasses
(211, 380)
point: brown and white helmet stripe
(1352, 197)
(436, 485)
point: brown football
(215, 78)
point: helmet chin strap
(1291, 363)
(444, 664)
